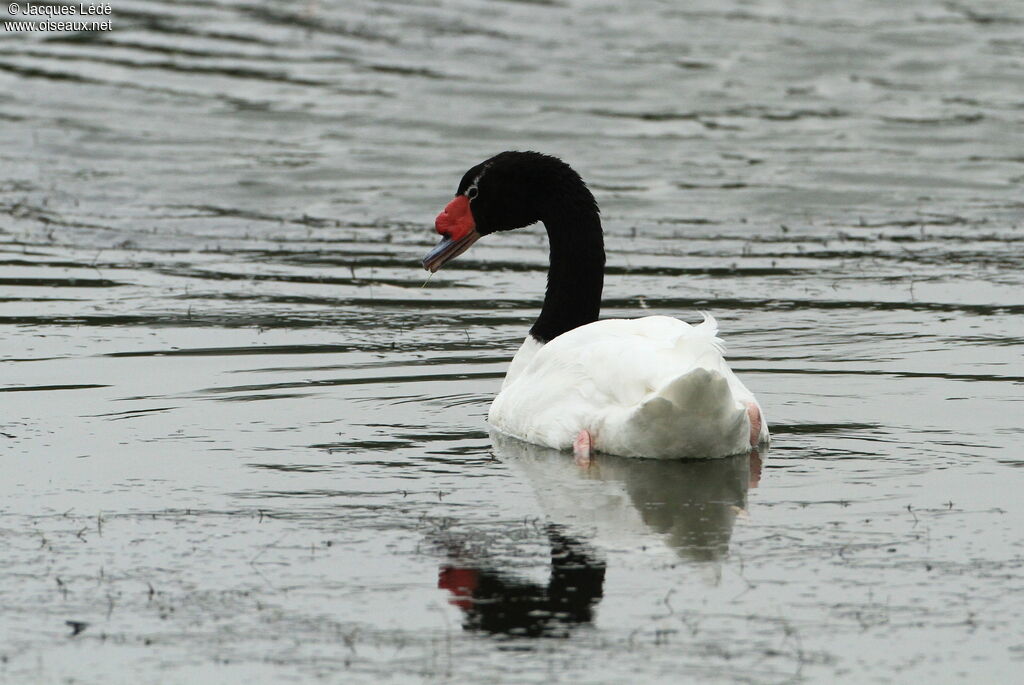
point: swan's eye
(472, 192)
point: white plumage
(652, 387)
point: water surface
(241, 441)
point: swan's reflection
(499, 603)
(620, 502)
(685, 509)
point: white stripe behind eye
(476, 179)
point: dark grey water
(241, 441)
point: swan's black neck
(515, 189)
(576, 272)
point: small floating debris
(76, 627)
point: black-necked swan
(651, 387)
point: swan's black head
(510, 190)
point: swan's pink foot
(755, 423)
(582, 449)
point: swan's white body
(651, 387)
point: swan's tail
(693, 415)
